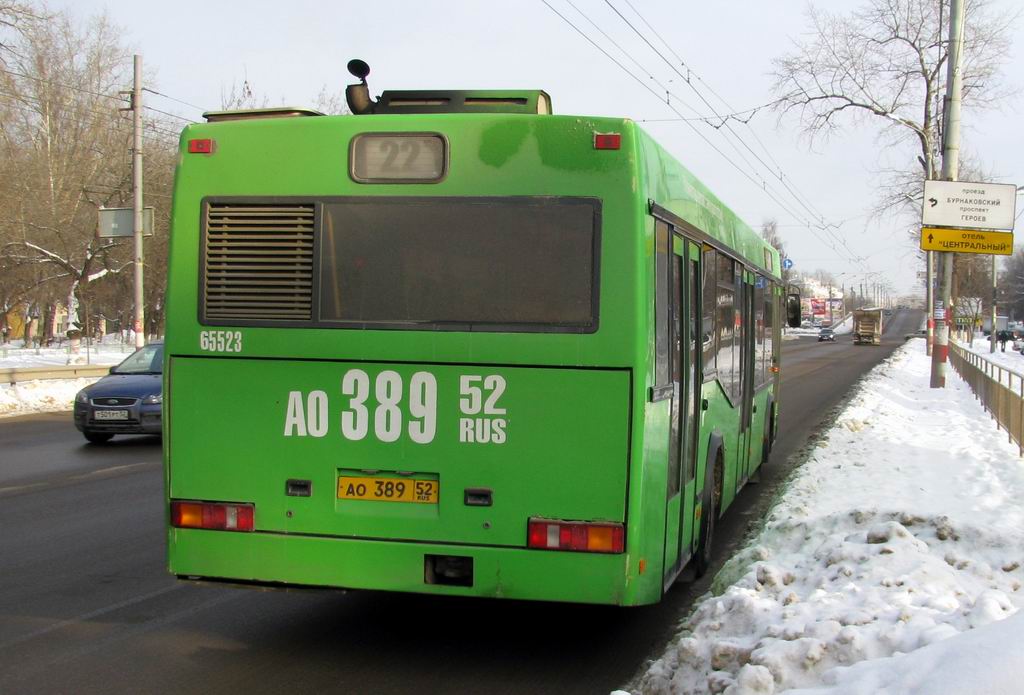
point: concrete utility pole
(140, 319)
(950, 171)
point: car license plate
(110, 415)
(388, 489)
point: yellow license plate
(388, 489)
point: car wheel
(98, 437)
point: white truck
(1002, 323)
(867, 326)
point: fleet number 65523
(220, 341)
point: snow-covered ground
(13, 355)
(1011, 361)
(891, 564)
(52, 395)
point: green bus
(454, 344)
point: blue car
(129, 400)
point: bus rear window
(523, 264)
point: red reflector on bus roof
(579, 536)
(607, 141)
(214, 516)
(204, 146)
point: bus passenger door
(683, 308)
(745, 305)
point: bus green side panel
(548, 442)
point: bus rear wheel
(711, 503)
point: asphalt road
(86, 604)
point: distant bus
(457, 345)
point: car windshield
(146, 360)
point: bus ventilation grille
(258, 262)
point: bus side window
(710, 294)
(760, 372)
(726, 310)
(661, 309)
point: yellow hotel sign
(966, 241)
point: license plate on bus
(110, 415)
(388, 489)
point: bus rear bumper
(286, 560)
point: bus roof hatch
(533, 101)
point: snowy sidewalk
(892, 563)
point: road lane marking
(98, 473)
(113, 469)
(16, 488)
(88, 616)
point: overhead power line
(101, 95)
(760, 182)
(689, 78)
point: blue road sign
(787, 264)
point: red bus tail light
(200, 146)
(579, 536)
(607, 141)
(213, 515)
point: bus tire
(768, 438)
(711, 501)
(771, 426)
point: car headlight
(82, 397)
(154, 399)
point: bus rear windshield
(474, 264)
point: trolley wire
(762, 183)
(689, 78)
(701, 135)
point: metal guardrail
(14, 375)
(1000, 390)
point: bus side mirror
(793, 310)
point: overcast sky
(288, 51)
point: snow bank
(890, 565)
(40, 396)
(53, 395)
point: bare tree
(885, 64)
(14, 17)
(64, 152)
(770, 233)
(63, 138)
(1011, 285)
(972, 289)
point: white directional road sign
(967, 205)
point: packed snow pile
(890, 565)
(40, 396)
(54, 395)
